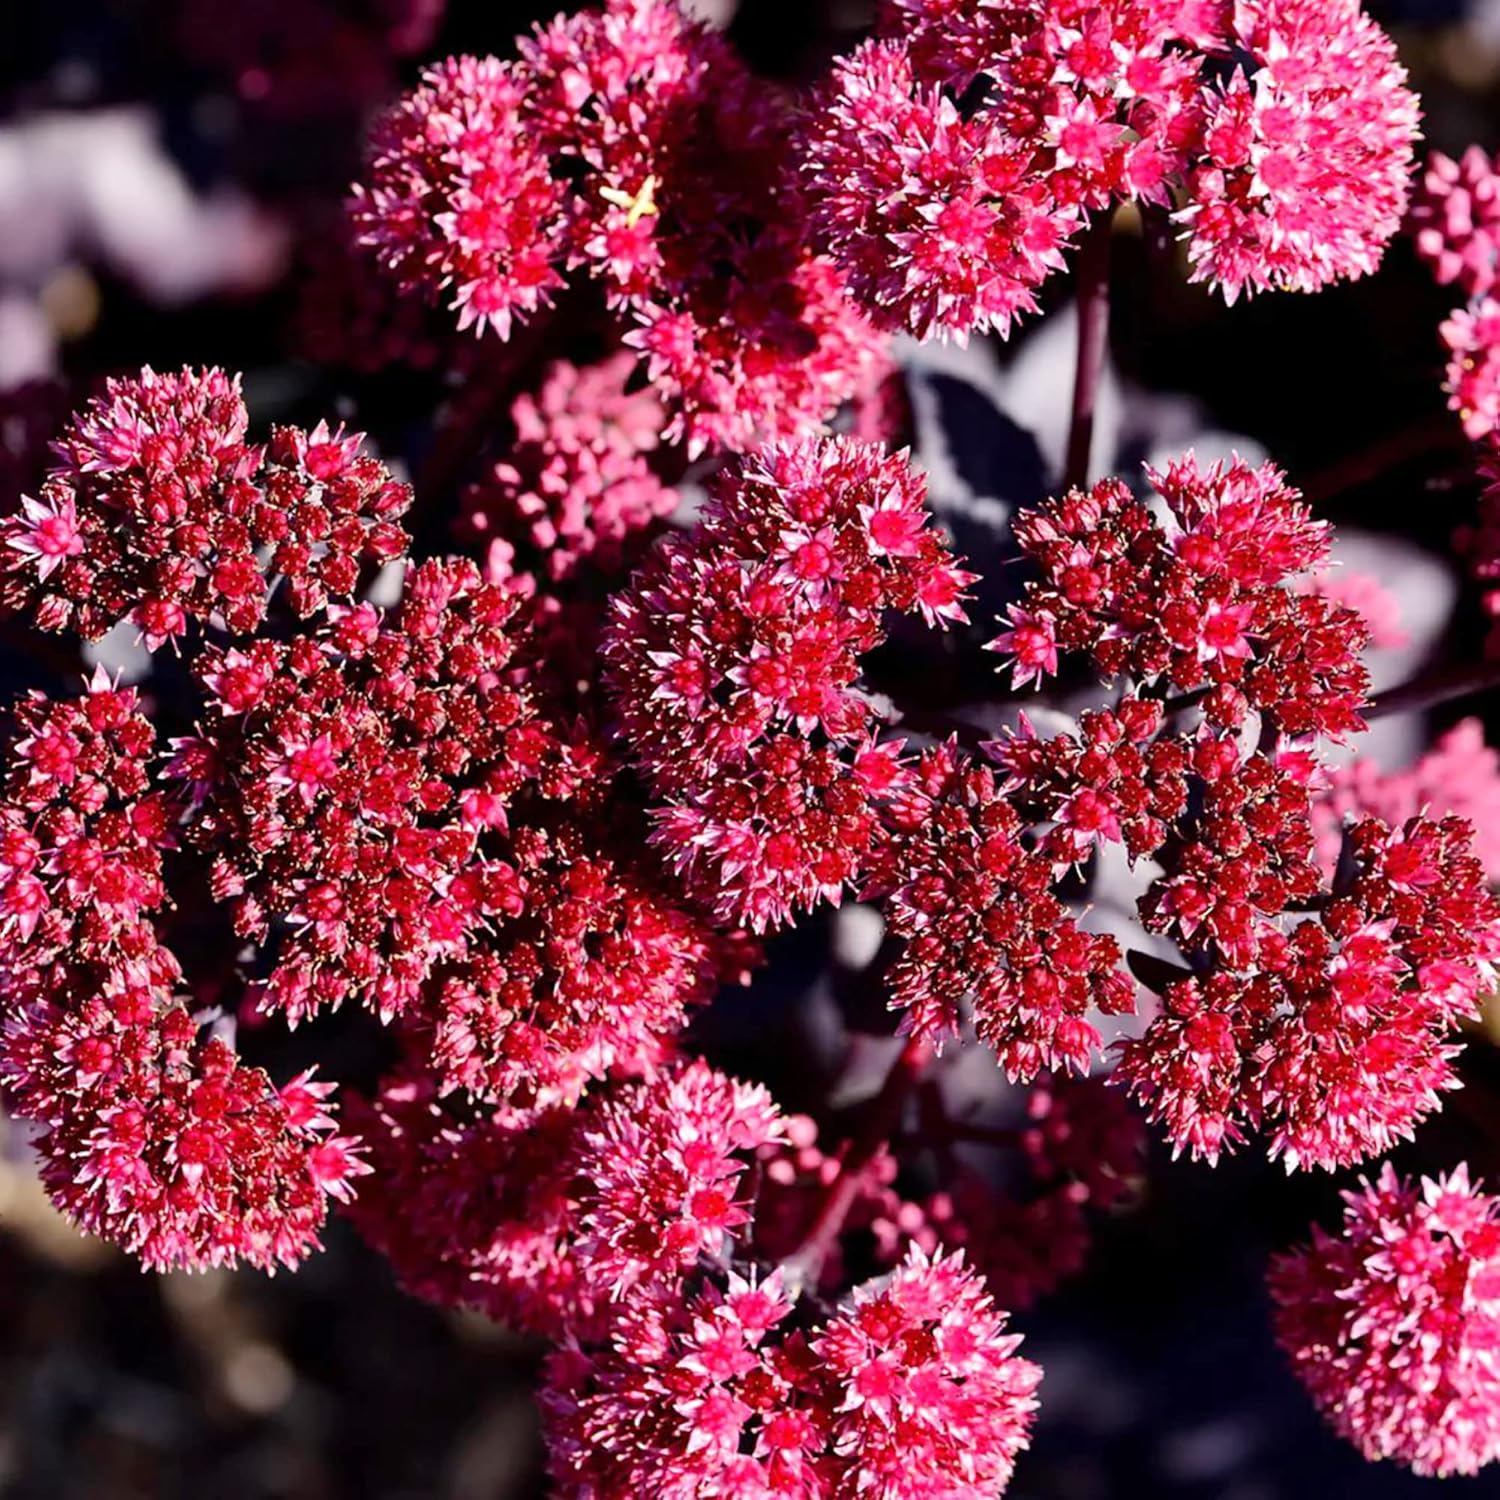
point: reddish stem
(881, 1118)
(1093, 339)
(1441, 685)
(1435, 435)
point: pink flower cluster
(1472, 380)
(1455, 222)
(910, 1387)
(1460, 774)
(161, 513)
(1280, 132)
(1455, 219)
(631, 145)
(546, 1218)
(576, 488)
(733, 663)
(1393, 1323)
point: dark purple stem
(1093, 339)
(878, 1126)
(1442, 685)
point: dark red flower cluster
(1393, 1323)
(981, 924)
(629, 144)
(153, 1135)
(733, 661)
(163, 514)
(344, 782)
(576, 488)
(1281, 131)
(1329, 1033)
(1205, 605)
(597, 967)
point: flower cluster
(910, 1388)
(949, 163)
(1392, 1324)
(152, 1135)
(1301, 178)
(160, 512)
(1455, 219)
(733, 662)
(529, 809)
(1331, 1033)
(1455, 223)
(545, 1218)
(460, 196)
(343, 781)
(940, 221)
(629, 144)
(1472, 381)
(981, 923)
(1202, 606)
(576, 488)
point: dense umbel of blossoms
(1393, 1323)
(1281, 131)
(1202, 604)
(911, 1388)
(152, 1135)
(343, 781)
(631, 145)
(383, 802)
(575, 488)
(982, 924)
(1330, 1033)
(162, 513)
(733, 661)
(545, 1218)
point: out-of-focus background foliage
(170, 177)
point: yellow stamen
(636, 207)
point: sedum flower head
(1392, 1322)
